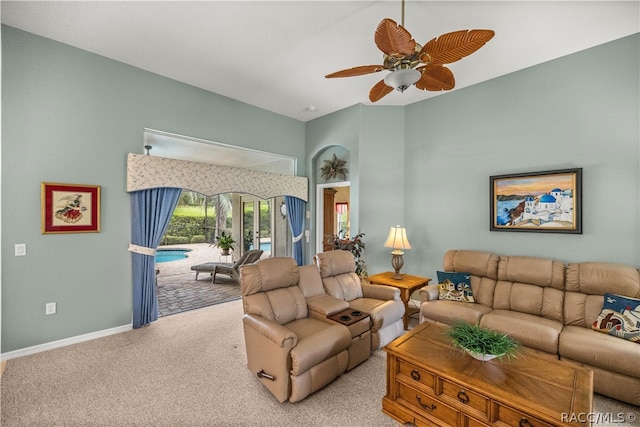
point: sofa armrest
(326, 305)
(429, 293)
(277, 333)
(381, 292)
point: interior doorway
(333, 213)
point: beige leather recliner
(383, 303)
(292, 354)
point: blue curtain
(295, 214)
(151, 212)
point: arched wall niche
(321, 184)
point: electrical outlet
(50, 308)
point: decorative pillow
(454, 286)
(620, 317)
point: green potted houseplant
(481, 343)
(355, 245)
(225, 242)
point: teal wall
(71, 116)
(581, 110)
(374, 137)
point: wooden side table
(407, 285)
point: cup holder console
(349, 316)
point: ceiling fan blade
(379, 91)
(393, 39)
(452, 47)
(435, 78)
(356, 71)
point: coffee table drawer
(428, 406)
(471, 422)
(421, 376)
(511, 417)
(466, 397)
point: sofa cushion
(620, 317)
(454, 286)
(382, 313)
(600, 350)
(332, 263)
(268, 274)
(529, 330)
(581, 309)
(483, 267)
(310, 282)
(541, 272)
(444, 311)
(596, 278)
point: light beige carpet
(188, 369)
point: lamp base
(397, 262)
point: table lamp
(397, 240)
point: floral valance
(144, 172)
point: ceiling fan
(412, 64)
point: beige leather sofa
(292, 353)
(548, 306)
(383, 303)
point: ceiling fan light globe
(401, 79)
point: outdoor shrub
(169, 240)
(197, 238)
(189, 226)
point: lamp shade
(397, 238)
(401, 79)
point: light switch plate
(21, 249)
(50, 308)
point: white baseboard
(64, 342)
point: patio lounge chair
(230, 269)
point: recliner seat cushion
(317, 341)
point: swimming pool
(168, 255)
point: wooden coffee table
(431, 383)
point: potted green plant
(355, 245)
(225, 242)
(481, 343)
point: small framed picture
(70, 208)
(549, 201)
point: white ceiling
(274, 54)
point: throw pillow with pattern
(454, 286)
(620, 317)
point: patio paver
(177, 289)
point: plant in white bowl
(481, 343)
